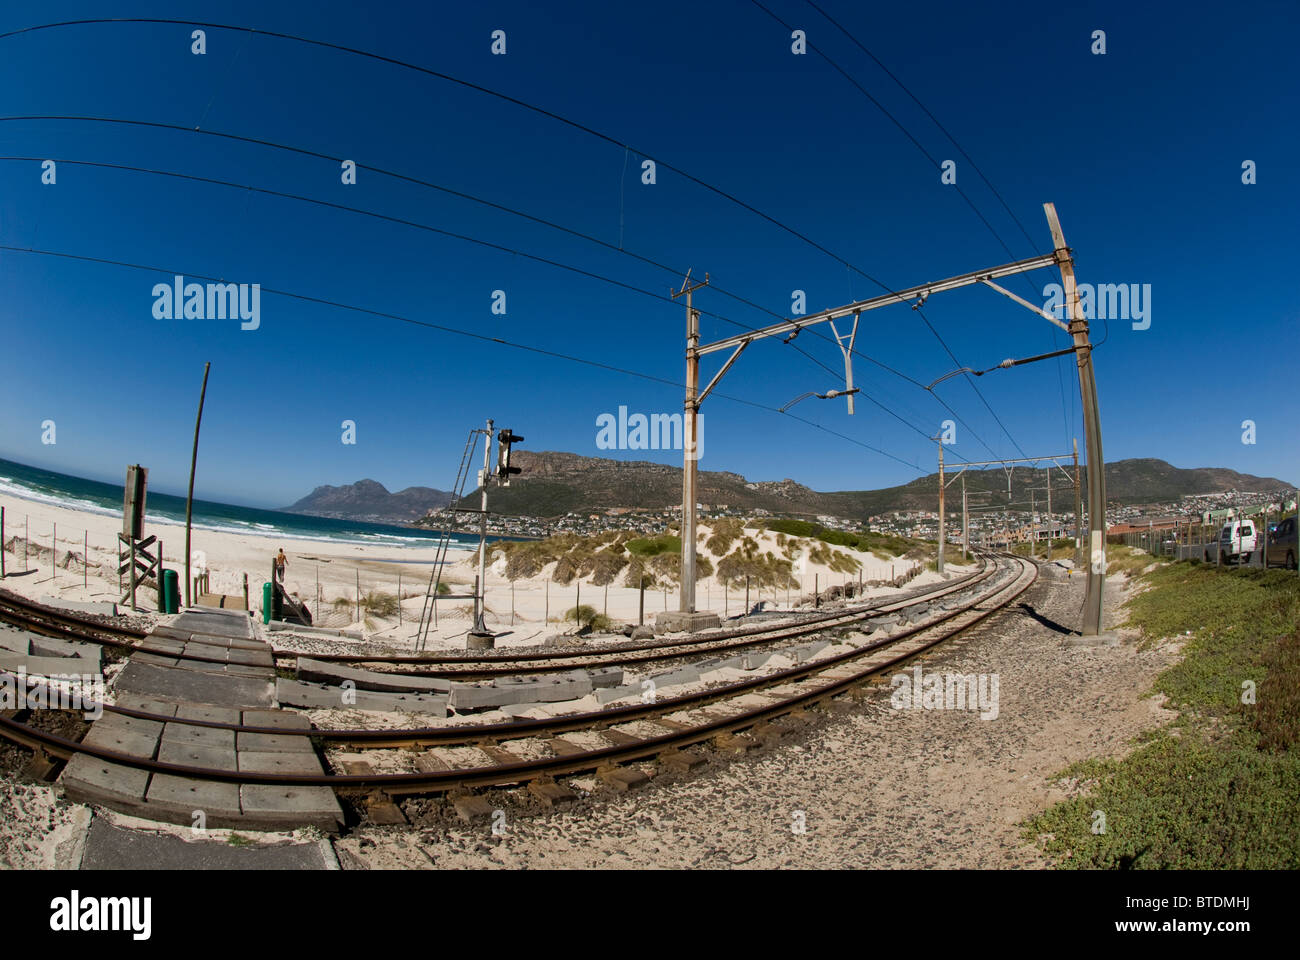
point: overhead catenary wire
(938, 166)
(457, 193)
(437, 230)
(502, 341)
(507, 98)
(257, 141)
(973, 165)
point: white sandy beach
(333, 572)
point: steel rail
(675, 650)
(32, 620)
(467, 732)
(549, 766)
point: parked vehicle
(1282, 550)
(1237, 541)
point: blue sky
(1141, 149)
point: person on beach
(280, 561)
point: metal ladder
(429, 610)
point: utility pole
(1092, 604)
(690, 449)
(939, 562)
(965, 526)
(791, 327)
(189, 498)
(1050, 525)
(480, 630)
(1078, 510)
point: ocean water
(78, 493)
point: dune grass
(1220, 787)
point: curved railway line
(20, 612)
(665, 727)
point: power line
(479, 88)
(379, 170)
(974, 166)
(502, 248)
(542, 351)
(410, 223)
(926, 153)
(440, 188)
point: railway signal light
(504, 439)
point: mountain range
(555, 483)
(370, 500)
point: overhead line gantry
(1077, 326)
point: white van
(1237, 541)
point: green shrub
(586, 616)
(654, 546)
(1220, 789)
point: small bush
(654, 546)
(586, 616)
(377, 604)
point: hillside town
(989, 524)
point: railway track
(23, 613)
(665, 728)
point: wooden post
(817, 591)
(189, 497)
(162, 596)
(246, 591)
